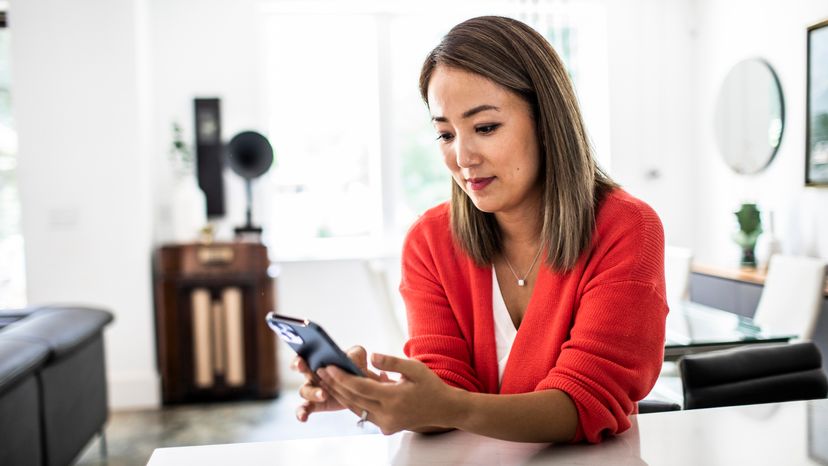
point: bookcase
(211, 338)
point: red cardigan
(596, 332)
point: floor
(133, 435)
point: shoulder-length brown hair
(516, 57)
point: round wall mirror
(750, 115)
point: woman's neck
(521, 227)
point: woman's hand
(317, 399)
(420, 400)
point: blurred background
(90, 91)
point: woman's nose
(466, 155)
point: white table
(775, 434)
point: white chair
(792, 296)
(677, 262)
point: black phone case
(313, 344)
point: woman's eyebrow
(470, 112)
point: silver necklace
(522, 281)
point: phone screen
(311, 342)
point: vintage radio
(210, 306)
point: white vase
(774, 246)
(188, 208)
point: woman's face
(487, 136)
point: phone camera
(288, 334)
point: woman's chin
(484, 205)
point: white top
(504, 328)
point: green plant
(181, 156)
(750, 227)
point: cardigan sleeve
(613, 356)
(616, 343)
(435, 337)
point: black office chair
(753, 374)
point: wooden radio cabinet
(211, 338)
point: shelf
(740, 274)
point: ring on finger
(362, 418)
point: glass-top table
(695, 328)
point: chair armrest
(655, 406)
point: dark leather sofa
(53, 396)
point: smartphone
(311, 342)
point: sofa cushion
(19, 359)
(13, 315)
(62, 329)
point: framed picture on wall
(816, 121)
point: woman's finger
(301, 366)
(370, 389)
(339, 398)
(348, 395)
(346, 401)
(410, 368)
(298, 364)
(359, 356)
(303, 411)
(312, 392)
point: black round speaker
(249, 154)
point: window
(324, 127)
(12, 267)
(357, 159)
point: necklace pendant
(521, 282)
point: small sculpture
(750, 227)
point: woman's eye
(445, 137)
(486, 129)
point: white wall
(729, 32)
(652, 118)
(204, 48)
(80, 106)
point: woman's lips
(479, 183)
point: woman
(502, 343)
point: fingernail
(320, 395)
(321, 373)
